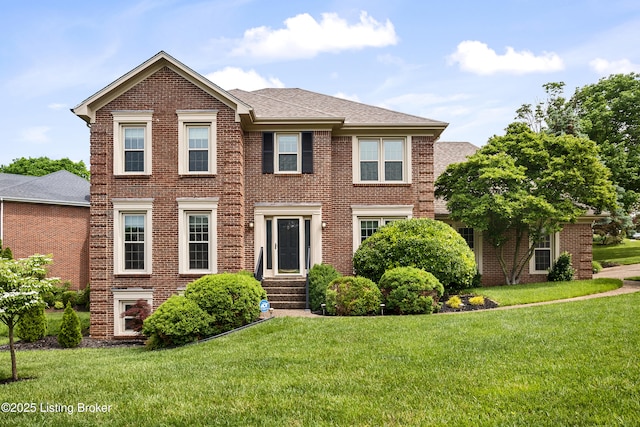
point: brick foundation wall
(63, 231)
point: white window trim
(127, 296)
(477, 242)
(555, 251)
(406, 162)
(131, 118)
(131, 206)
(188, 118)
(365, 212)
(187, 206)
(276, 154)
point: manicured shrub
(454, 302)
(58, 305)
(84, 297)
(320, 276)
(70, 333)
(353, 296)
(177, 321)
(410, 290)
(596, 267)
(562, 270)
(33, 325)
(232, 299)
(424, 243)
(70, 297)
(477, 300)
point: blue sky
(469, 63)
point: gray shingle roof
(295, 103)
(444, 154)
(60, 188)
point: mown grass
(54, 320)
(561, 364)
(625, 253)
(546, 291)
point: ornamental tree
(523, 186)
(21, 284)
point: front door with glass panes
(286, 240)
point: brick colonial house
(48, 215)
(189, 179)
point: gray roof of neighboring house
(58, 188)
(444, 154)
(295, 103)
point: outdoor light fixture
(324, 225)
(251, 224)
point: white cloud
(342, 95)
(56, 106)
(604, 67)
(476, 57)
(304, 37)
(37, 134)
(236, 78)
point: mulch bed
(488, 304)
(51, 343)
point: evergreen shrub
(410, 290)
(424, 243)
(320, 276)
(32, 325)
(70, 333)
(353, 296)
(562, 270)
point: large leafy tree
(610, 116)
(523, 186)
(554, 115)
(40, 166)
(22, 283)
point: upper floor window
(197, 142)
(382, 160)
(287, 152)
(132, 142)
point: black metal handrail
(259, 267)
(308, 267)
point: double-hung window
(381, 160)
(287, 152)
(197, 142)
(123, 300)
(197, 234)
(132, 236)
(544, 254)
(368, 219)
(132, 142)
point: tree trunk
(12, 350)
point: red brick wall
(63, 231)
(164, 92)
(574, 238)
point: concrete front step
(287, 305)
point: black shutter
(267, 152)
(307, 152)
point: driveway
(619, 272)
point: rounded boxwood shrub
(410, 290)
(232, 299)
(320, 276)
(424, 243)
(33, 325)
(353, 296)
(70, 333)
(177, 321)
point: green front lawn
(625, 253)
(546, 291)
(560, 364)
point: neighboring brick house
(574, 238)
(189, 179)
(48, 215)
